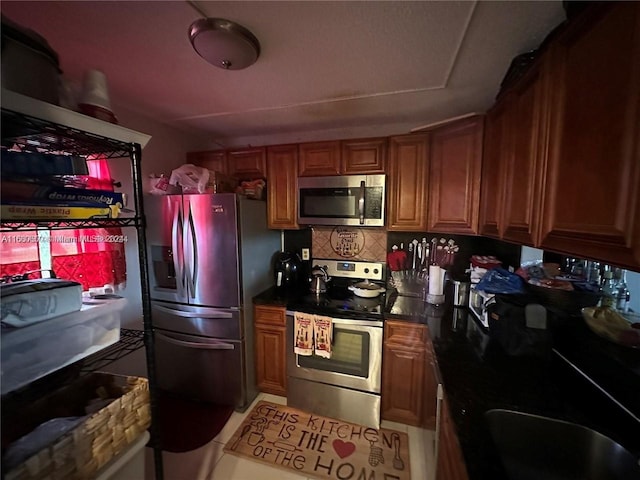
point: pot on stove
(319, 279)
(366, 289)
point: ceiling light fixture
(224, 43)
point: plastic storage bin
(34, 351)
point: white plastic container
(128, 465)
(34, 351)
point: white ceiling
(323, 65)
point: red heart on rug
(343, 449)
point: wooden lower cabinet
(408, 375)
(450, 462)
(270, 349)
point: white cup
(94, 90)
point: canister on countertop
(460, 293)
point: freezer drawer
(192, 320)
(200, 368)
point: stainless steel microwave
(356, 200)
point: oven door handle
(349, 322)
(198, 345)
(357, 323)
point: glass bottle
(622, 291)
(608, 290)
(578, 269)
(594, 273)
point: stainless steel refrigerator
(208, 256)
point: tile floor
(209, 462)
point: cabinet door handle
(361, 202)
(439, 400)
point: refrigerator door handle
(193, 253)
(181, 313)
(187, 248)
(198, 345)
(178, 255)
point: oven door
(356, 360)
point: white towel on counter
(323, 335)
(303, 333)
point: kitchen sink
(533, 447)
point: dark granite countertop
(273, 296)
(478, 375)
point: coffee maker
(287, 270)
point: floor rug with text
(319, 446)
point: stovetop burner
(339, 301)
(341, 306)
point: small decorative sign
(347, 242)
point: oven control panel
(351, 269)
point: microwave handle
(361, 202)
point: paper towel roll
(436, 277)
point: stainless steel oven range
(346, 385)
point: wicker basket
(81, 452)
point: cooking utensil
(375, 455)
(366, 289)
(281, 444)
(394, 259)
(414, 259)
(398, 463)
(245, 430)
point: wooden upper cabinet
(364, 156)
(247, 163)
(282, 173)
(495, 151)
(319, 159)
(524, 159)
(407, 180)
(454, 184)
(591, 190)
(215, 160)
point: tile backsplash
(353, 243)
(372, 244)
